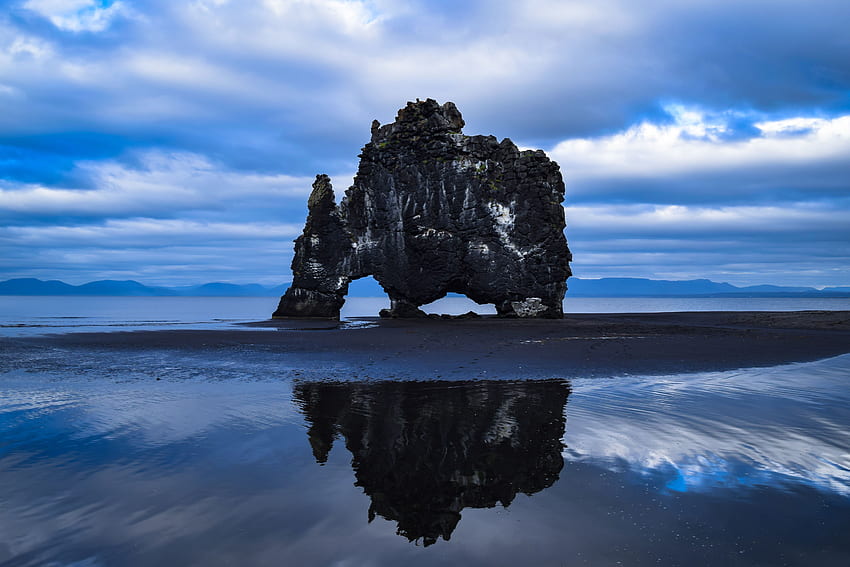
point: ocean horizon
(53, 314)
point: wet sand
(488, 347)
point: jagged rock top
(420, 118)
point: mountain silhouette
(368, 287)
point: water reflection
(211, 466)
(424, 451)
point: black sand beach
(578, 345)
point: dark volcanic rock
(434, 211)
(322, 255)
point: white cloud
(147, 232)
(792, 126)
(352, 17)
(30, 46)
(198, 74)
(163, 183)
(704, 221)
(695, 143)
(330, 31)
(77, 15)
(558, 17)
(156, 252)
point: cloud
(319, 71)
(652, 160)
(77, 15)
(146, 233)
(730, 196)
(166, 218)
(155, 182)
(681, 221)
(797, 244)
(187, 256)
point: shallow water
(36, 315)
(187, 458)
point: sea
(186, 457)
(34, 315)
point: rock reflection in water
(424, 451)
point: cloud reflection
(776, 427)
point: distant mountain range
(605, 287)
(130, 288)
(638, 287)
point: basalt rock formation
(433, 211)
(424, 451)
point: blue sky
(175, 142)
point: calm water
(25, 315)
(152, 457)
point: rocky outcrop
(433, 211)
(322, 257)
(424, 451)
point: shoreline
(579, 345)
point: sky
(175, 143)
